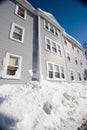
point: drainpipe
(65, 58)
(39, 51)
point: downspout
(65, 58)
(39, 50)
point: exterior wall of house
(7, 45)
(46, 55)
(28, 56)
(75, 52)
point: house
(17, 33)
(34, 46)
(61, 56)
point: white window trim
(54, 78)
(67, 52)
(5, 64)
(25, 12)
(73, 75)
(80, 76)
(51, 46)
(54, 28)
(12, 30)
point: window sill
(16, 40)
(11, 77)
(53, 52)
(54, 79)
(51, 32)
(20, 17)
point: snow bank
(43, 106)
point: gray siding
(7, 17)
(49, 56)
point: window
(11, 66)
(20, 11)
(71, 75)
(66, 42)
(59, 50)
(73, 47)
(56, 71)
(51, 28)
(17, 33)
(56, 32)
(79, 76)
(54, 48)
(62, 72)
(68, 56)
(76, 61)
(81, 62)
(50, 70)
(48, 46)
(46, 25)
(85, 74)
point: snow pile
(43, 106)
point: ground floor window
(11, 66)
(71, 75)
(55, 71)
(79, 76)
(50, 70)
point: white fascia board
(26, 5)
(44, 15)
(69, 37)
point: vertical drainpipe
(39, 51)
(65, 57)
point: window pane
(11, 70)
(72, 76)
(51, 28)
(13, 61)
(21, 11)
(46, 25)
(17, 36)
(56, 68)
(54, 49)
(59, 50)
(50, 66)
(50, 74)
(57, 75)
(48, 44)
(18, 30)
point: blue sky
(71, 15)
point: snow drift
(43, 106)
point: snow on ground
(43, 106)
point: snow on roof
(50, 16)
(66, 34)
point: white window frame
(5, 65)
(12, 31)
(68, 56)
(79, 76)
(49, 28)
(71, 71)
(76, 60)
(54, 78)
(51, 50)
(62, 72)
(25, 11)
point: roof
(49, 16)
